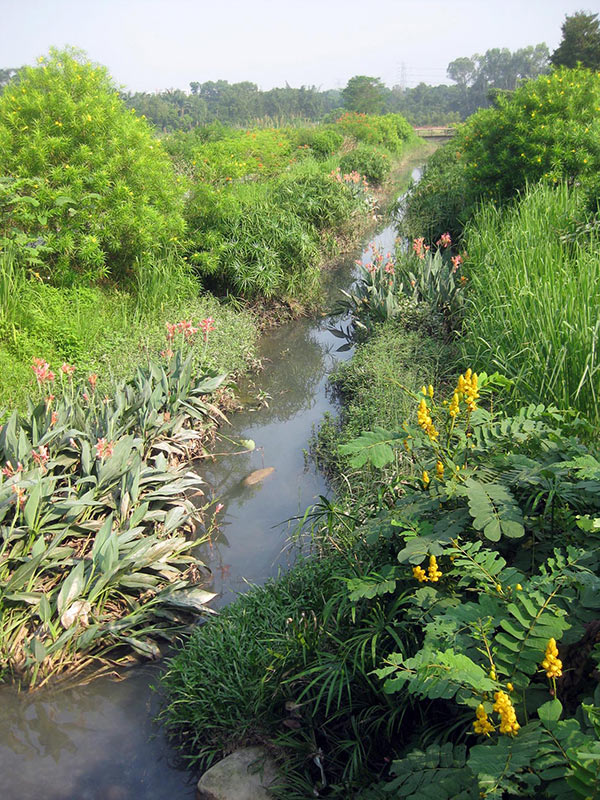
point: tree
(580, 42)
(461, 71)
(364, 94)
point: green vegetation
(83, 178)
(97, 518)
(108, 235)
(547, 129)
(534, 293)
(453, 650)
(580, 44)
(107, 232)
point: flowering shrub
(547, 129)
(386, 130)
(367, 161)
(89, 183)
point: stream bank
(95, 741)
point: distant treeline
(476, 80)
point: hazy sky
(156, 44)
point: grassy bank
(534, 296)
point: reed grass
(533, 312)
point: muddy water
(98, 742)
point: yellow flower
(482, 724)
(439, 468)
(424, 419)
(430, 390)
(425, 478)
(420, 574)
(508, 717)
(432, 571)
(551, 663)
(453, 408)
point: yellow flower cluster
(433, 573)
(425, 421)
(508, 717)
(426, 478)
(439, 469)
(454, 408)
(467, 387)
(551, 663)
(482, 724)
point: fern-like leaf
(371, 447)
(494, 510)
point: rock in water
(257, 476)
(246, 774)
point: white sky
(150, 45)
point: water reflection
(93, 742)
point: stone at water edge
(246, 774)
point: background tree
(364, 94)
(6, 75)
(580, 42)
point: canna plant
(98, 519)
(374, 296)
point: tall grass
(533, 312)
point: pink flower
(168, 353)
(171, 330)
(92, 380)
(445, 240)
(104, 449)
(41, 456)
(389, 268)
(8, 470)
(456, 262)
(67, 369)
(53, 419)
(21, 497)
(206, 326)
(42, 370)
(188, 330)
(418, 245)
(219, 507)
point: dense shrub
(245, 241)
(84, 178)
(367, 161)
(441, 201)
(315, 197)
(228, 154)
(549, 128)
(388, 130)
(323, 142)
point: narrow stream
(98, 742)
